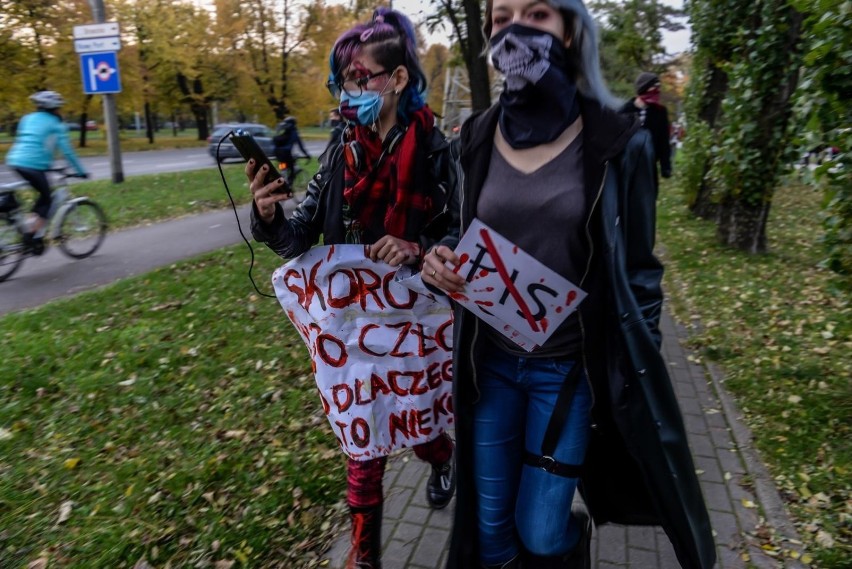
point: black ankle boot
(514, 563)
(366, 552)
(578, 558)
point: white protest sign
(510, 290)
(381, 353)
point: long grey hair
(583, 49)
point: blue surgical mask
(363, 109)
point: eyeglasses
(352, 87)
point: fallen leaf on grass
(824, 539)
(40, 563)
(65, 511)
(71, 463)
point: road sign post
(98, 45)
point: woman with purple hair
(387, 183)
(593, 404)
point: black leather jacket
(321, 212)
(638, 467)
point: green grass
(177, 414)
(156, 197)
(144, 199)
(780, 328)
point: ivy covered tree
(717, 29)
(825, 111)
(755, 135)
(752, 137)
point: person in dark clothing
(556, 170)
(286, 138)
(653, 117)
(388, 185)
(337, 125)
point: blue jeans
(520, 504)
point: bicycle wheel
(11, 248)
(300, 181)
(82, 229)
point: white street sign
(88, 31)
(98, 44)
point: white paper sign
(381, 353)
(510, 290)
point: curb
(775, 515)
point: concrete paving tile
(710, 470)
(612, 544)
(702, 445)
(716, 496)
(728, 558)
(431, 545)
(396, 500)
(694, 423)
(406, 531)
(727, 531)
(730, 461)
(643, 537)
(721, 437)
(643, 559)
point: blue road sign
(100, 73)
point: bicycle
(297, 176)
(76, 225)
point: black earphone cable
(237, 215)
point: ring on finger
(434, 271)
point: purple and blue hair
(390, 37)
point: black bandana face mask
(539, 95)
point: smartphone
(249, 148)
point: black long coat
(638, 467)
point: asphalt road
(152, 162)
(128, 252)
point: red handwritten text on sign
(381, 353)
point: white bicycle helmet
(47, 100)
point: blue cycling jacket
(38, 136)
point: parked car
(74, 126)
(226, 151)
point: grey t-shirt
(543, 213)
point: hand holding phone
(251, 150)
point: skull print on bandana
(539, 100)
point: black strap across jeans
(545, 460)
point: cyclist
(37, 137)
(286, 138)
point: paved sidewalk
(744, 506)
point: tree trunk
(477, 68)
(743, 226)
(149, 123)
(84, 118)
(197, 103)
(710, 111)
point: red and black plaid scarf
(391, 196)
